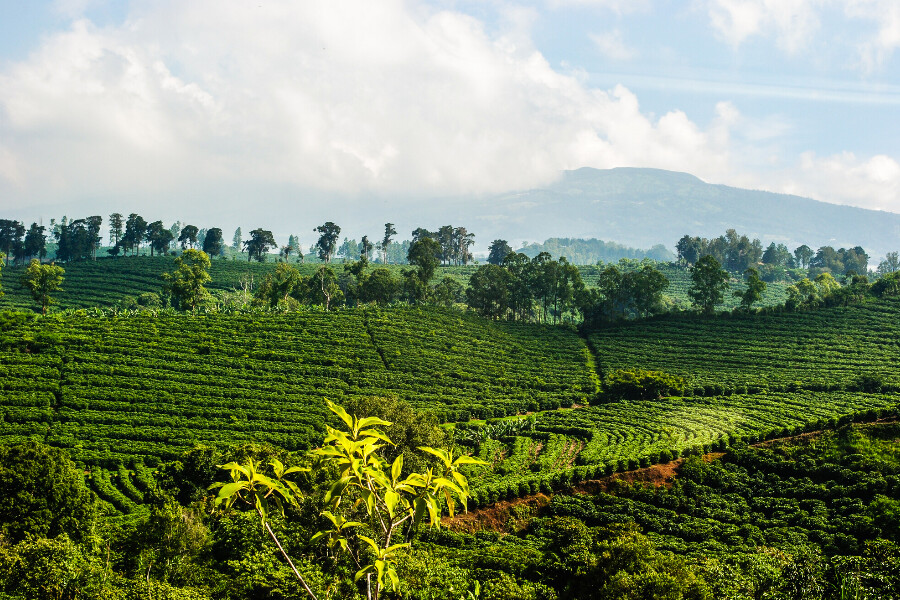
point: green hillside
(111, 389)
(822, 350)
(141, 389)
(109, 282)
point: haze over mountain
(643, 207)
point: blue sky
(180, 107)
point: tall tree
(328, 237)
(135, 232)
(236, 239)
(689, 249)
(261, 240)
(802, 255)
(754, 291)
(389, 233)
(186, 283)
(890, 264)
(116, 224)
(425, 253)
(497, 252)
(324, 288)
(212, 243)
(7, 236)
(43, 280)
(188, 236)
(488, 291)
(18, 243)
(710, 281)
(94, 223)
(462, 241)
(365, 249)
(159, 237)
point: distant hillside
(108, 282)
(588, 252)
(644, 207)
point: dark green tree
(213, 244)
(365, 249)
(754, 291)
(328, 237)
(35, 242)
(188, 236)
(261, 240)
(710, 281)
(425, 254)
(43, 495)
(7, 236)
(689, 249)
(802, 255)
(488, 291)
(116, 225)
(497, 252)
(380, 287)
(159, 237)
(135, 231)
(389, 233)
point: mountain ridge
(642, 207)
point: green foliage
(391, 501)
(710, 282)
(45, 569)
(42, 494)
(638, 384)
(754, 291)
(186, 283)
(43, 280)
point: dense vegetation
(154, 381)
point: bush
(637, 384)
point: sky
(286, 113)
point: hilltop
(644, 207)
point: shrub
(638, 384)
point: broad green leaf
(397, 468)
(370, 421)
(339, 411)
(438, 452)
(390, 501)
(371, 544)
(229, 489)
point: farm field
(114, 388)
(132, 391)
(820, 350)
(108, 282)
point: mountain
(643, 207)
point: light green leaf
(397, 468)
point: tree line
(737, 253)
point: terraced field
(109, 281)
(821, 350)
(113, 388)
(124, 393)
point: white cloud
(791, 22)
(346, 97)
(392, 99)
(794, 24)
(617, 6)
(612, 45)
(872, 182)
(876, 49)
